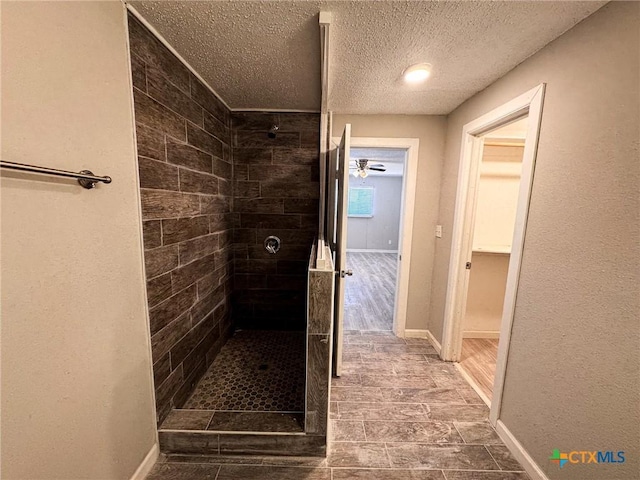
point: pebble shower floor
(255, 371)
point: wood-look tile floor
(370, 292)
(397, 413)
(478, 359)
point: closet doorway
(496, 203)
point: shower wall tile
(276, 192)
(184, 144)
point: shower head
(273, 131)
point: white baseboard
(147, 464)
(518, 451)
(415, 333)
(433, 341)
(480, 334)
(369, 250)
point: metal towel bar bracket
(86, 178)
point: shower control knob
(272, 244)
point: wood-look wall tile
(301, 205)
(168, 336)
(214, 204)
(150, 142)
(254, 120)
(242, 155)
(138, 73)
(158, 289)
(317, 399)
(209, 101)
(157, 175)
(216, 128)
(289, 236)
(204, 141)
(320, 301)
(189, 274)
(260, 139)
(219, 222)
(160, 260)
(152, 235)
(255, 267)
(156, 55)
(161, 370)
(160, 89)
(255, 220)
(208, 302)
(184, 347)
(240, 172)
(296, 156)
(155, 115)
(195, 182)
(310, 139)
(167, 389)
(225, 188)
(288, 173)
(188, 156)
(247, 189)
(181, 229)
(281, 189)
(222, 169)
(159, 204)
(197, 248)
(164, 313)
(295, 267)
(300, 121)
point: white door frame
(529, 103)
(409, 180)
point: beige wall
(431, 132)
(77, 399)
(572, 376)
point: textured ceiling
(266, 54)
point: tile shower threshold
(234, 421)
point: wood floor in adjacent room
(370, 293)
(478, 360)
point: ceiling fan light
(417, 73)
(363, 173)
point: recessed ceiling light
(417, 73)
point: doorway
(474, 136)
(374, 204)
(494, 218)
(337, 227)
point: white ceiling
(266, 54)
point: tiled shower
(228, 318)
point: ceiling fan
(362, 167)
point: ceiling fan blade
(377, 169)
(377, 165)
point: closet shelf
(498, 249)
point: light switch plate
(439, 231)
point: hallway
(397, 413)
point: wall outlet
(439, 231)
(389, 242)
